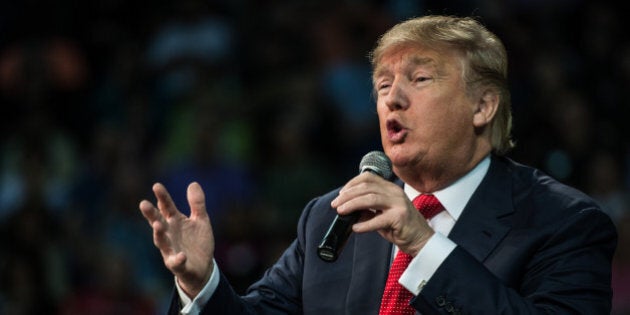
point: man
(509, 239)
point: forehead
(413, 55)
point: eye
(421, 79)
(382, 86)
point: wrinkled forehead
(388, 46)
(414, 54)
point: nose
(396, 98)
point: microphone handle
(337, 235)
(334, 240)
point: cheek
(381, 112)
(449, 120)
(456, 108)
(459, 128)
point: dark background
(266, 104)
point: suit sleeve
(567, 273)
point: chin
(398, 156)
(404, 156)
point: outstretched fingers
(157, 223)
(197, 201)
(164, 201)
(149, 212)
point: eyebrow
(413, 61)
(419, 61)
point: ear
(486, 107)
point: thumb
(196, 201)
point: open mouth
(394, 126)
(395, 131)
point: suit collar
(479, 228)
(455, 196)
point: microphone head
(376, 162)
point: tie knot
(428, 205)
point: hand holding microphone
(335, 238)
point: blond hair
(484, 57)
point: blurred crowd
(266, 104)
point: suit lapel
(479, 228)
(371, 260)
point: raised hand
(186, 243)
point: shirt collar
(455, 197)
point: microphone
(334, 240)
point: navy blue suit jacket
(526, 244)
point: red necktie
(396, 298)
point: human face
(425, 114)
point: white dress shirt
(454, 198)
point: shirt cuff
(428, 260)
(194, 306)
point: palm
(193, 237)
(186, 243)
